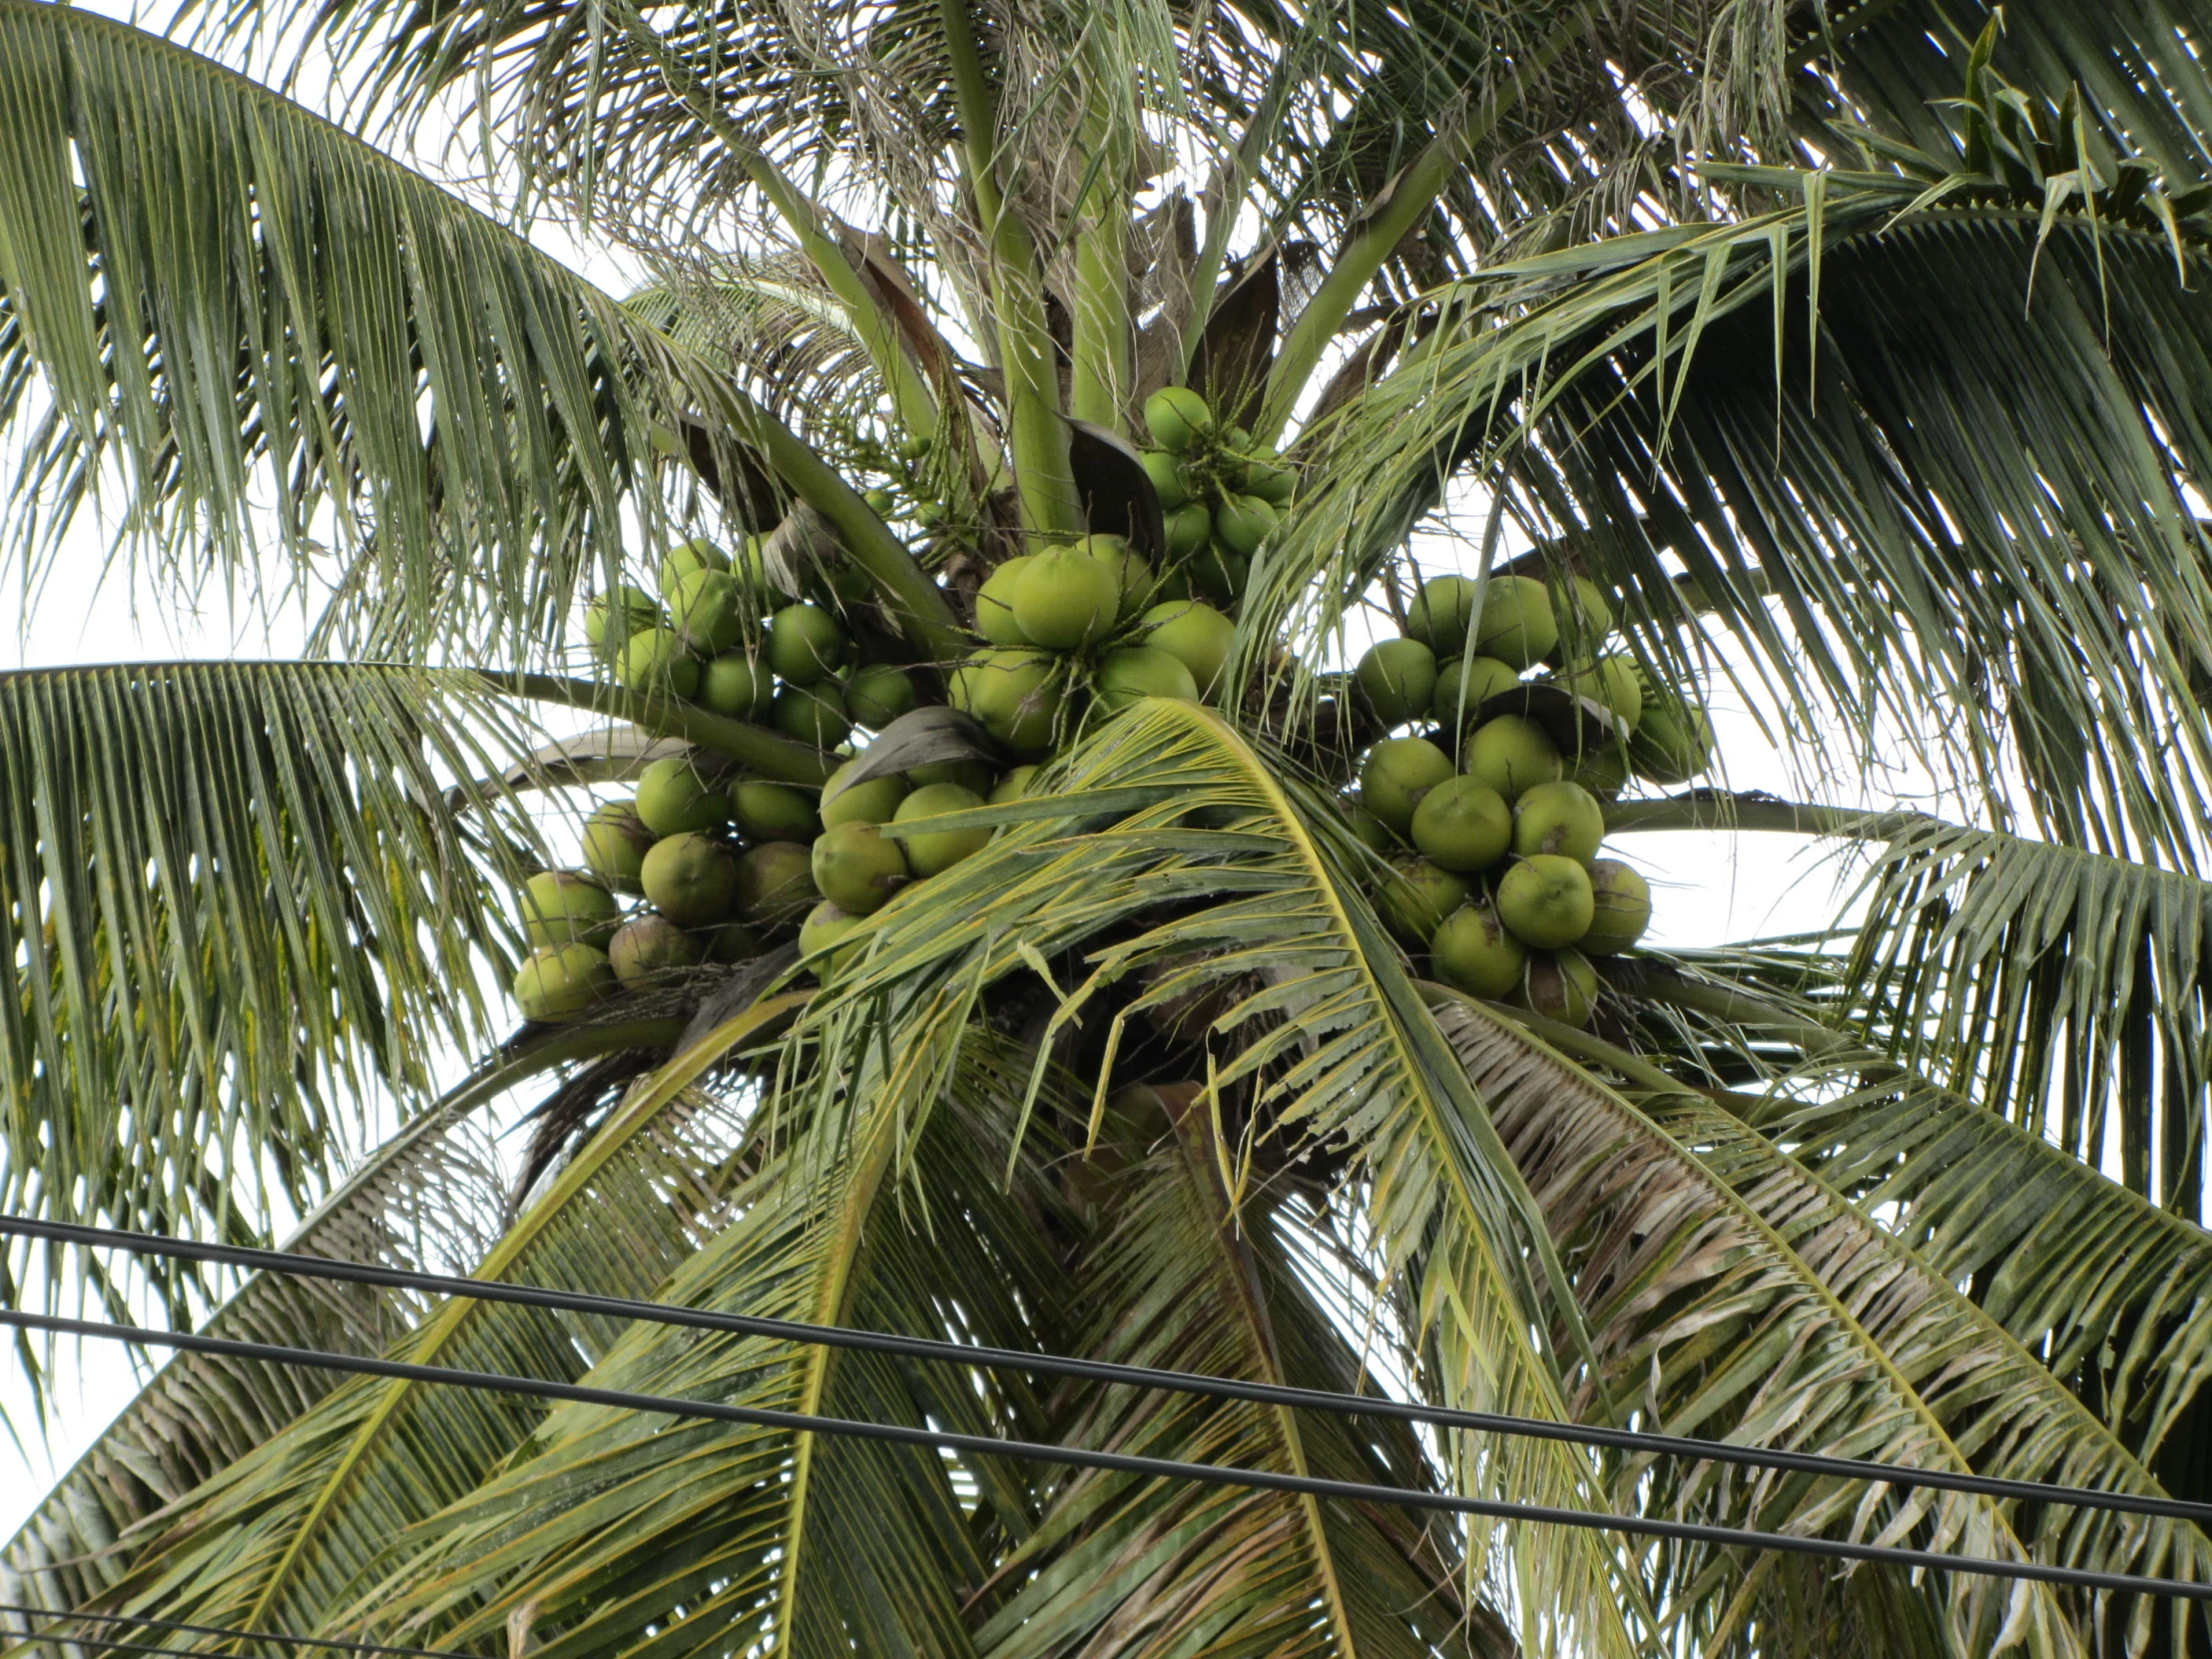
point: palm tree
(1858, 357)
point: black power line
(1100, 1371)
(1165, 1469)
(179, 1628)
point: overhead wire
(991, 1446)
(1101, 1371)
(138, 1621)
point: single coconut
(1164, 469)
(766, 811)
(1584, 614)
(562, 982)
(614, 616)
(1474, 952)
(1396, 774)
(1512, 754)
(1018, 697)
(1464, 684)
(1560, 986)
(872, 800)
(687, 558)
(1219, 574)
(1439, 614)
(707, 611)
(812, 714)
(1064, 599)
(1242, 522)
(858, 867)
(655, 662)
(1622, 912)
(1013, 787)
(994, 604)
(1195, 634)
(1547, 900)
(1371, 831)
(1558, 816)
(1462, 825)
(823, 927)
(934, 852)
(1176, 416)
(1516, 625)
(1188, 528)
(730, 941)
(1602, 768)
(1131, 571)
(615, 843)
(691, 879)
(1399, 678)
(651, 949)
(1673, 742)
(674, 796)
(1613, 684)
(974, 775)
(1137, 672)
(1267, 477)
(805, 644)
(562, 907)
(776, 884)
(749, 568)
(1419, 896)
(878, 694)
(738, 686)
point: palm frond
(231, 902)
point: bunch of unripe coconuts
(1496, 868)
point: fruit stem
(770, 754)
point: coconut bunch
(1220, 492)
(1515, 728)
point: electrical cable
(142, 1622)
(1101, 1371)
(1216, 1474)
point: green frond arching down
(605, 1526)
(283, 1537)
(1178, 1279)
(1736, 1297)
(228, 301)
(1862, 538)
(230, 906)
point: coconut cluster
(1495, 826)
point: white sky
(1707, 888)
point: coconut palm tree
(1854, 361)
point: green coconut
(1399, 678)
(1547, 900)
(561, 982)
(1560, 986)
(812, 714)
(766, 811)
(1464, 684)
(1188, 528)
(1265, 476)
(1518, 625)
(750, 569)
(1131, 572)
(1165, 468)
(858, 867)
(1242, 522)
(1559, 817)
(614, 616)
(879, 501)
(692, 879)
(1396, 774)
(1064, 599)
(994, 603)
(1474, 952)
(1371, 831)
(1419, 896)
(1622, 912)
(1439, 614)
(1512, 754)
(1673, 742)
(1018, 697)
(707, 611)
(934, 852)
(872, 800)
(615, 844)
(1217, 573)
(738, 686)
(1195, 634)
(1137, 672)
(1602, 768)
(1584, 614)
(878, 694)
(1176, 416)
(675, 795)
(1012, 786)
(687, 558)
(971, 773)
(563, 906)
(656, 662)
(730, 941)
(821, 933)
(805, 644)
(1462, 825)
(1614, 684)
(776, 884)
(649, 949)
